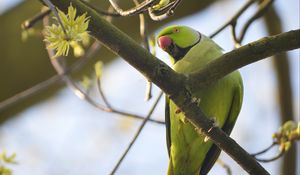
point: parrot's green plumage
(190, 153)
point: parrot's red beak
(164, 42)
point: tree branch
(174, 84)
(243, 56)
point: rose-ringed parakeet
(191, 153)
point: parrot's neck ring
(177, 52)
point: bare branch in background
(168, 11)
(282, 70)
(57, 63)
(148, 94)
(144, 34)
(108, 13)
(234, 19)
(133, 11)
(137, 133)
(54, 11)
(285, 138)
(52, 80)
(110, 108)
(225, 166)
(31, 22)
(266, 160)
(280, 154)
(30, 92)
(147, 5)
(263, 7)
(99, 87)
(264, 150)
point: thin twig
(280, 154)
(133, 11)
(58, 66)
(146, 5)
(237, 44)
(101, 12)
(136, 116)
(148, 94)
(100, 90)
(165, 8)
(111, 109)
(31, 22)
(108, 18)
(30, 92)
(263, 7)
(144, 34)
(54, 11)
(137, 133)
(168, 13)
(264, 150)
(225, 166)
(47, 83)
(234, 18)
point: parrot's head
(178, 40)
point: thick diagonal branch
(174, 84)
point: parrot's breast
(188, 149)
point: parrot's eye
(175, 30)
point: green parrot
(191, 153)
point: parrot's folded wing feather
(214, 151)
(235, 108)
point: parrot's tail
(170, 169)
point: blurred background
(53, 132)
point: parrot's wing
(214, 151)
(236, 105)
(167, 121)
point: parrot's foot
(178, 111)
